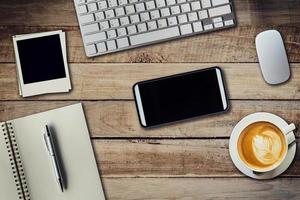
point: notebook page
(8, 188)
(83, 181)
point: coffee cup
(263, 141)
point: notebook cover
(69, 126)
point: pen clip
(48, 145)
(46, 141)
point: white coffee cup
(286, 130)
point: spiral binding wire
(15, 160)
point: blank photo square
(41, 59)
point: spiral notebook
(26, 172)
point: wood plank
(115, 81)
(42, 15)
(119, 118)
(231, 45)
(201, 188)
(34, 16)
(51, 13)
(170, 158)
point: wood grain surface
(232, 45)
(238, 42)
(115, 81)
(187, 160)
(119, 118)
(61, 13)
(201, 188)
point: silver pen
(52, 149)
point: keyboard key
(111, 34)
(123, 2)
(131, 29)
(140, 7)
(219, 24)
(80, 1)
(142, 27)
(82, 9)
(92, 7)
(150, 5)
(182, 19)
(122, 42)
(121, 32)
(171, 2)
(104, 25)
(154, 36)
(197, 26)
(109, 14)
(145, 16)
(102, 5)
(124, 21)
(222, 10)
(185, 7)
(186, 29)
(228, 22)
(90, 28)
(152, 25)
(99, 15)
(219, 2)
(112, 3)
(162, 23)
(133, 1)
(192, 16)
(134, 19)
(120, 11)
(205, 3)
(129, 9)
(218, 19)
(111, 45)
(208, 27)
(114, 23)
(101, 47)
(154, 14)
(196, 5)
(95, 37)
(87, 18)
(203, 14)
(172, 21)
(160, 3)
(90, 49)
(165, 12)
(181, 1)
(175, 10)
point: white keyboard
(114, 25)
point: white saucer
(241, 166)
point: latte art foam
(261, 145)
(267, 147)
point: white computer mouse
(272, 57)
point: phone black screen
(181, 96)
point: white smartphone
(181, 96)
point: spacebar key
(154, 36)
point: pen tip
(61, 187)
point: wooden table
(188, 160)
